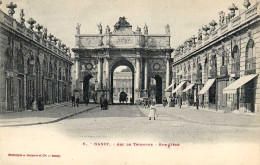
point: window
(250, 57)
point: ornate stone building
(148, 56)
(32, 64)
(221, 64)
(123, 83)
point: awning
(169, 87)
(206, 87)
(178, 87)
(188, 88)
(232, 88)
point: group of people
(37, 104)
(103, 103)
(172, 101)
(177, 100)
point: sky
(185, 17)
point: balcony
(213, 72)
(250, 66)
(223, 70)
(235, 69)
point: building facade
(123, 83)
(32, 64)
(147, 55)
(219, 68)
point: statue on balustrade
(107, 30)
(200, 35)
(145, 29)
(138, 30)
(167, 29)
(22, 20)
(99, 28)
(221, 18)
(45, 33)
(78, 28)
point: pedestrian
(40, 103)
(105, 104)
(73, 100)
(86, 100)
(173, 102)
(165, 102)
(179, 101)
(202, 102)
(197, 102)
(77, 102)
(152, 111)
(102, 102)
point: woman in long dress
(152, 112)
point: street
(129, 122)
(124, 129)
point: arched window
(250, 55)
(20, 61)
(206, 67)
(250, 49)
(235, 54)
(30, 65)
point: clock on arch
(156, 66)
(89, 66)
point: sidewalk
(50, 114)
(207, 116)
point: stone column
(77, 75)
(107, 72)
(137, 75)
(146, 74)
(99, 76)
(167, 73)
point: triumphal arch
(97, 56)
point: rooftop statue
(167, 29)
(99, 28)
(121, 23)
(200, 35)
(45, 33)
(221, 18)
(78, 28)
(138, 30)
(107, 30)
(145, 29)
(22, 20)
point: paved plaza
(130, 122)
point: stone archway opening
(122, 80)
(89, 94)
(156, 88)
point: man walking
(77, 102)
(179, 101)
(73, 100)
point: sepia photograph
(129, 82)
